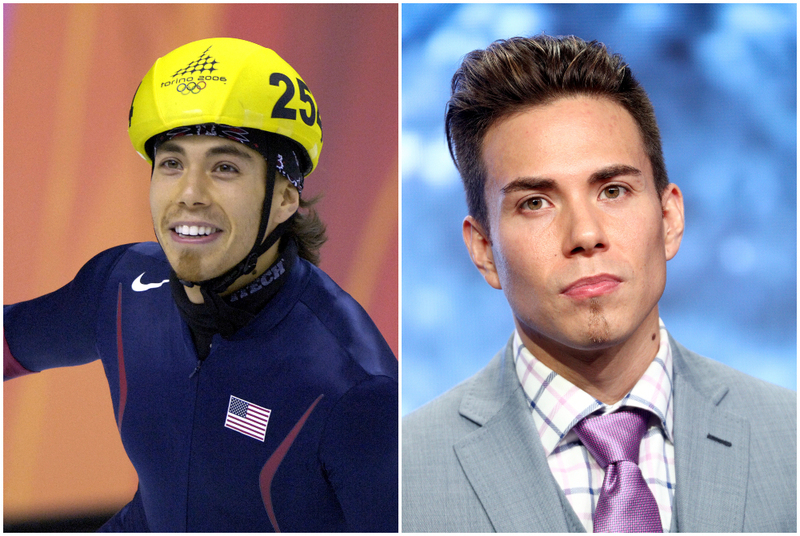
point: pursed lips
(592, 286)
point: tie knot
(614, 437)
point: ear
(480, 250)
(285, 201)
(672, 212)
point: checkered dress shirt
(557, 405)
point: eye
(170, 163)
(614, 191)
(535, 203)
(226, 168)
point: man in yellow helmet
(250, 391)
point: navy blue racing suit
(310, 379)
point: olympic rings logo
(191, 87)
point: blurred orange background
(73, 186)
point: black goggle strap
(276, 163)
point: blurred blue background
(722, 79)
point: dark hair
(514, 74)
(308, 230)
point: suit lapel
(711, 452)
(504, 460)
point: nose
(193, 188)
(584, 230)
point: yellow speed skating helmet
(226, 81)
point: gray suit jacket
(473, 462)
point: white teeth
(194, 230)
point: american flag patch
(247, 418)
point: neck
(264, 261)
(607, 373)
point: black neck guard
(226, 315)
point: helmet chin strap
(221, 283)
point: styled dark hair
(514, 74)
(308, 231)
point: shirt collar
(557, 405)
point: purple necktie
(625, 504)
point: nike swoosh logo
(138, 286)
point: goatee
(188, 266)
(599, 331)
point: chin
(188, 266)
(586, 334)
(602, 333)
(189, 275)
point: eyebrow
(173, 147)
(544, 183)
(229, 150)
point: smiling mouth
(188, 231)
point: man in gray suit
(571, 214)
